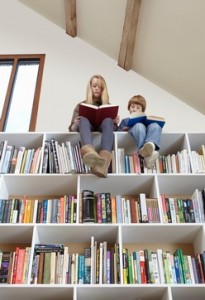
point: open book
(140, 117)
(96, 114)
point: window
(20, 84)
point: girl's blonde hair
(102, 84)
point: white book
(121, 160)
(143, 207)
(155, 267)
(7, 159)
(201, 206)
(53, 268)
(92, 273)
(19, 159)
(172, 210)
(35, 210)
(101, 264)
(38, 161)
(191, 268)
(76, 267)
(3, 155)
(161, 267)
(104, 262)
(195, 162)
(195, 200)
(59, 157)
(65, 158)
(173, 163)
(70, 155)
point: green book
(47, 268)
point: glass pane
(18, 118)
(5, 72)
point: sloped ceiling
(169, 47)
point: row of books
(107, 208)
(97, 264)
(171, 163)
(25, 210)
(14, 266)
(162, 267)
(178, 210)
(198, 158)
(62, 158)
(174, 163)
(65, 158)
(19, 160)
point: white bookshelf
(189, 236)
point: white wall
(70, 63)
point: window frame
(16, 58)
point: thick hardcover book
(97, 114)
(5, 266)
(140, 117)
(88, 204)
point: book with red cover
(96, 114)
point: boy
(147, 138)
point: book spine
(88, 204)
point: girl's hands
(75, 124)
(116, 120)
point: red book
(96, 114)
(20, 266)
(142, 266)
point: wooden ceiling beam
(129, 33)
(71, 17)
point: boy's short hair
(137, 100)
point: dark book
(87, 261)
(48, 248)
(133, 211)
(187, 217)
(202, 257)
(125, 265)
(112, 265)
(203, 199)
(190, 210)
(6, 211)
(54, 210)
(2, 208)
(168, 210)
(117, 263)
(5, 266)
(40, 268)
(13, 161)
(108, 207)
(147, 265)
(97, 114)
(199, 268)
(45, 158)
(140, 117)
(88, 199)
(54, 155)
